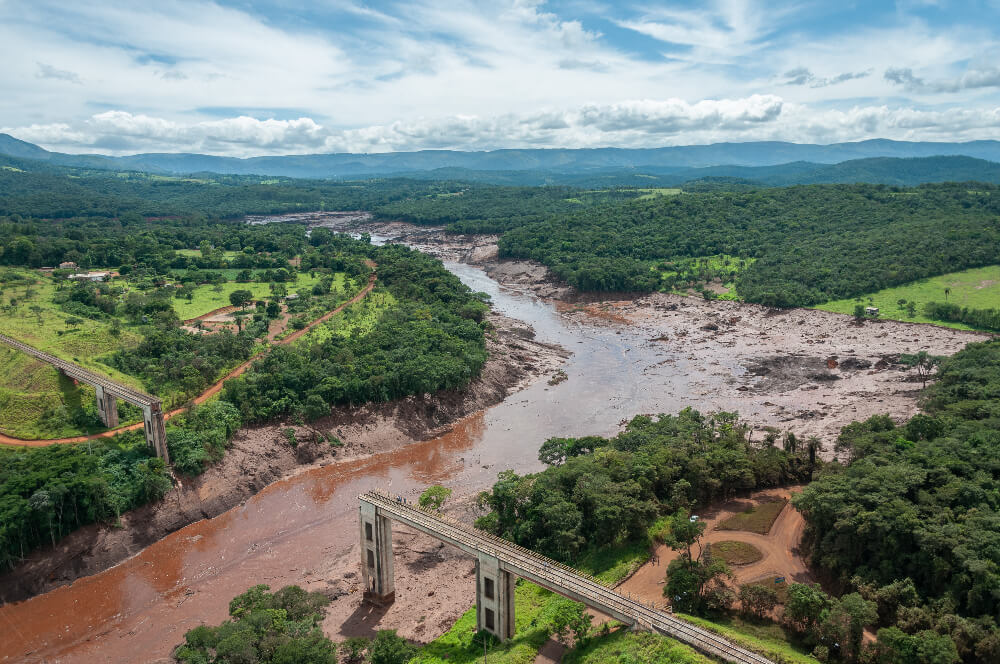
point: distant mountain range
(732, 164)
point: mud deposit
(649, 354)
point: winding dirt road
(207, 394)
(779, 546)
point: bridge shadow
(364, 621)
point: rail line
(560, 578)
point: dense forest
(480, 209)
(914, 520)
(431, 340)
(811, 244)
(602, 491)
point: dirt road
(779, 546)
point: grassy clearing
(626, 647)
(196, 253)
(614, 564)
(768, 639)
(736, 553)
(40, 323)
(978, 288)
(661, 191)
(757, 519)
(533, 611)
(360, 316)
(206, 298)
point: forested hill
(810, 244)
(909, 171)
(564, 161)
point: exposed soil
(779, 548)
(804, 370)
(262, 455)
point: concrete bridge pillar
(494, 598)
(376, 556)
(156, 433)
(107, 407)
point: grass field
(626, 647)
(755, 520)
(206, 298)
(978, 288)
(768, 639)
(533, 611)
(196, 253)
(359, 316)
(736, 553)
(40, 323)
(662, 191)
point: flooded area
(303, 529)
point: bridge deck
(561, 579)
(121, 391)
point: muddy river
(140, 609)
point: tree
(691, 577)
(805, 604)
(273, 309)
(434, 496)
(923, 362)
(926, 647)
(757, 599)
(859, 312)
(947, 292)
(240, 298)
(389, 648)
(911, 309)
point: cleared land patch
(978, 288)
(757, 519)
(736, 553)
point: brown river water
(139, 610)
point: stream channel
(140, 609)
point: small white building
(89, 276)
(68, 265)
(871, 311)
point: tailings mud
(646, 355)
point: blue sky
(290, 76)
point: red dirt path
(207, 394)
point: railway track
(561, 579)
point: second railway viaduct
(108, 393)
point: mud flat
(259, 456)
(803, 370)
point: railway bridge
(498, 562)
(108, 393)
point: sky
(249, 77)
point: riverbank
(804, 370)
(259, 456)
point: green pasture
(623, 645)
(209, 297)
(534, 609)
(978, 288)
(196, 253)
(360, 316)
(658, 191)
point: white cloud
(48, 71)
(970, 80)
(641, 123)
(188, 74)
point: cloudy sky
(248, 77)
